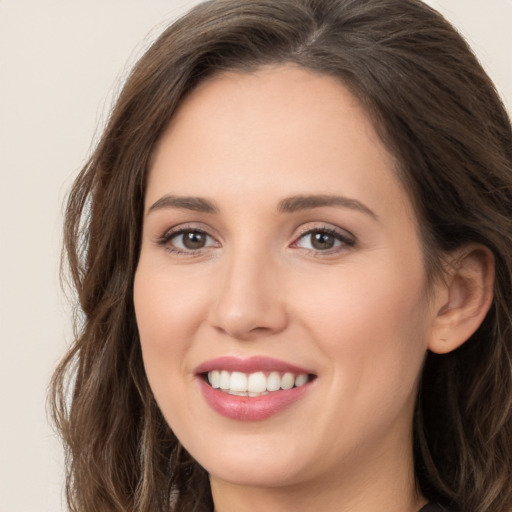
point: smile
(254, 384)
(252, 389)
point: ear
(462, 298)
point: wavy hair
(440, 116)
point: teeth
(214, 378)
(287, 381)
(254, 384)
(257, 382)
(223, 380)
(238, 393)
(273, 382)
(300, 380)
(238, 382)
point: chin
(252, 462)
(270, 474)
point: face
(281, 292)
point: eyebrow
(196, 204)
(307, 202)
(288, 205)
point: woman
(292, 252)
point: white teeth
(287, 381)
(300, 380)
(273, 381)
(224, 379)
(238, 382)
(257, 382)
(214, 378)
(238, 393)
(254, 384)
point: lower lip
(245, 408)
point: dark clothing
(432, 507)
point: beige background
(60, 62)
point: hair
(440, 116)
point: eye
(323, 240)
(187, 240)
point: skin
(358, 315)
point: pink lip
(244, 408)
(249, 365)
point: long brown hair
(438, 113)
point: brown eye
(188, 240)
(194, 239)
(322, 241)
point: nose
(249, 303)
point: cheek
(168, 308)
(372, 333)
(373, 325)
(168, 313)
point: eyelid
(183, 227)
(323, 226)
(346, 238)
(175, 231)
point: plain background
(61, 63)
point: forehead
(279, 126)
(263, 102)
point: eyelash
(166, 239)
(345, 240)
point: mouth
(252, 389)
(255, 384)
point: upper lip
(249, 365)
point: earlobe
(463, 297)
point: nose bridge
(249, 301)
